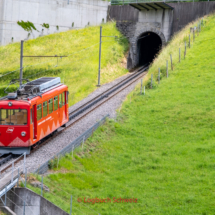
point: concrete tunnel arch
(144, 47)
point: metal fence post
(189, 40)
(24, 162)
(5, 200)
(193, 35)
(171, 62)
(83, 143)
(42, 187)
(12, 172)
(21, 63)
(167, 74)
(100, 50)
(24, 208)
(71, 206)
(25, 177)
(18, 179)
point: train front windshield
(13, 117)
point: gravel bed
(48, 150)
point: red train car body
(32, 113)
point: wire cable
(49, 60)
(22, 200)
(64, 199)
(60, 65)
(70, 194)
(15, 204)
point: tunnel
(148, 46)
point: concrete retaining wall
(123, 13)
(76, 14)
(186, 12)
(34, 203)
(173, 21)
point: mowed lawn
(160, 150)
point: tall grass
(79, 70)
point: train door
(62, 106)
(34, 120)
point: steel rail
(5, 159)
(10, 165)
(134, 79)
(75, 112)
(93, 104)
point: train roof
(34, 88)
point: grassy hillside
(79, 70)
(161, 149)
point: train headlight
(23, 134)
(10, 104)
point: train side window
(55, 102)
(63, 95)
(67, 96)
(3, 116)
(45, 109)
(60, 100)
(31, 116)
(39, 112)
(50, 106)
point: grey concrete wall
(54, 12)
(123, 13)
(161, 20)
(35, 204)
(9, 202)
(187, 12)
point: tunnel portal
(148, 46)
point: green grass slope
(161, 149)
(79, 70)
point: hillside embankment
(79, 70)
(159, 150)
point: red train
(33, 112)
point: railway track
(96, 102)
(5, 158)
(103, 95)
(85, 109)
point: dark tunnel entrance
(148, 45)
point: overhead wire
(61, 65)
(49, 60)
(52, 59)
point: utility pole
(21, 64)
(100, 50)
